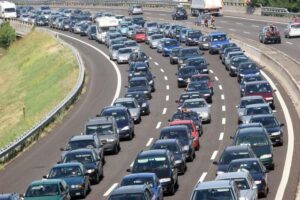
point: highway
(102, 83)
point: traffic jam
(243, 166)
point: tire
(116, 150)
(130, 136)
(172, 190)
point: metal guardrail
(32, 134)
(278, 12)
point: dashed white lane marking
(131, 164)
(220, 87)
(155, 63)
(222, 96)
(232, 29)
(290, 43)
(162, 70)
(254, 26)
(214, 155)
(223, 121)
(202, 177)
(110, 189)
(246, 32)
(167, 87)
(223, 108)
(149, 142)
(166, 78)
(221, 136)
(164, 111)
(211, 71)
(239, 23)
(150, 58)
(216, 78)
(158, 125)
(167, 98)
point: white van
(103, 24)
(7, 10)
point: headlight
(145, 92)
(232, 67)
(151, 82)
(164, 180)
(269, 98)
(186, 148)
(257, 182)
(206, 95)
(242, 75)
(276, 133)
(110, 140)
(78, 186)
(257, 73)
(178, 161)
(90, 171)
(144, 104)
(180, 79)
(265, 156)
(125, 128)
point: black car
(145, 72)
(192, 37)
(91, 32)
(137, 67)
(138, 84)
(138, 57)
(183, 134)
(91, 161)
(231, 153)
(162, 163)
(201, 87)
(184, 75)
(124, 121)
(175, 147)
(131, 192)
(142, 100)
(199, 63)
(235, 62)
(179, 13)
(188, 52)
(249, 78)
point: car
(201, 87)
(168, 45)
(232, 55)
(257, 171)
(139, 35)
(235, 62)
(83, 29)
(175, 147)
(144, 179)
(174, 55)
(203, 42)
(182, 35)
(187, 95)
(123, 55)
(198, 62)
(183, 134)
(170, 32)
(85, 141)
(138, 56)
(292, 30)
(273, 127)
(119, 40)
(162, 163)
(192, 37)
(9, 196)
(91, 161)
(149, 33)
(262, 88)
(136, 67)
(200, 106)
(188, 52)
(231, 153)
(228, 50)
(138, 20)
(217, 39)
(225, 46)
(176, 33)
(244, 181)
(258, 139)
(179, 13)
(221, 189)
(153, 40)
(111, 36)
(269, 33)
(133, 107)
(161, 27)
(204, 78)
(140, 84)
(146, 73)
(184, 75)
(247, 68)
(151, 26)
(125, 124)
(132, 44)
(123, 27)
(192, 127)
(41, 21)
(143, 192)
(107, 131)
(159, 47)
(135, 10)
(248, 100)
(142, 100)
(255, 109)
(91, 32)
(113, 50)
(249, 78)
(75, 175)
(43, 189)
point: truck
(7, 10)
(199, 7)
(103, 24)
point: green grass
(36, 73)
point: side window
(148, 195)
(61, 188)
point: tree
(7, 35)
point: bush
(7, 35)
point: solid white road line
(290, 43)
(202, 177)
(149, 142)
(110, 189)
(220, 87)
(119, 79)
(223, 108)
(167, 87)
(222, 96)
(214, 155)
(221, 136)
(155, 63)
(217, 79)
(166, 78)
(158, 125)
(167, 98)
(162, 70)
(223, 121)
(164, 111)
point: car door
(64, 191)
(172, 166)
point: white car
(200, 106)
(292, 30)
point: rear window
(295, 26)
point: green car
(50, 189)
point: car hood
(138, 88)
(222, 167)
(274, 129)
(261, 150)
(74, 180)
(134, 111)
(263, 94)
(250, 71)
(246, 118)
(258, 176)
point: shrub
(7, 35)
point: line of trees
(291, 5)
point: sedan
(113, 50)
(132, 44)
(201, 87)
(255, 109)
(142, 100)
(123, 55)
(198, 62)
(132, 106)
(248, 100)
(154, 39)
(184, 75)
(200, 106)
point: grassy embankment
(36, 73)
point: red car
(139, 35)
(190, 124)
(205, 78)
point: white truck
(199, 7)
(7, 10)
(103, 24)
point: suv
(217, 39)
(132, 192)
(135, 10)
(179, 13)
(162, 163)
(106, 129)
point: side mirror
(154, 77)
(176, 101)
(97, 115)
(45, 176)
(126, 86)
(274, 90)
(176, 74)
(281, 125)
(128, 170)
(208, 63)
(254, 187)
(62, 149)
(215, 162)
(231, 137)
(58, 162)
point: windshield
(124, 51)
(258, 110)
(251, 167)
(296, 26)
(188, 52)
(170, 147)
(219, 38)
(195, 34)
(252, 140)
(138, 181)
(9, 10)
(157, 37)
(117, 47)
(127, 104)
(200, 86)
(79, 144)
(194, 104)
(267, 122)
(127, 196)
(200, 79)
(138, 83)
(170, 43)
(248, 66)
(246, 102)
(257, 88)
(152, 24)
(120, 116)
(150, 163)
(42, 190)
(196, 62)
(79, 157)
(131, 44)
(68, 171)
(181, 135)
(251, 79)
(100, 129)
(227, 157)
(187, 70)
(189, 96)
(213, 194)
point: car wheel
(89, 189)
(97, 178)
(172, 190)
(83, 195)
(130, 136)
(116, 149)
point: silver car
(255, 109)
(248, 100)
(159, 47)
(123, 55)
(113, 50)
(132, 44)
(133, 107)
(199, 106)
(154, 39)
(244, 181)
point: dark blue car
(168, 45)
(217, 39)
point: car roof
(138, 78)
(241, 126)
(258, 105)
(175, 122)
(46, 181)
(153, 152)
(99, 120)
(129, 189)
(82, 137)
(251, 97)
(124, 99)
(214, 184)
(114, 108)
(233, 175)
(176, 127)
(236, 148)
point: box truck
(206, 6)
